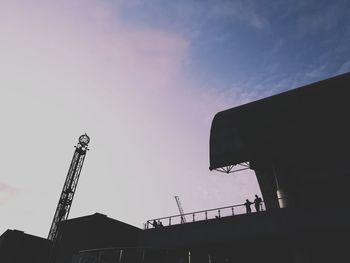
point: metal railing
(202, 215)
(109, 255)
(130, 255)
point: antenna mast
(65, 201)
(183, 219)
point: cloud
(344, 68)
(246, 11)
(316, 73)
(90, 41)
(323, 18)
(6, 188)
(6, 192)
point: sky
(144, 80)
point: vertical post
(193, 217)
(233, 213)
(143, 255)
(206, 215)
(281, 193)
(275, 176)
(219, 213)
(120, 255)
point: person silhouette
(154, 224)
(247, 206)
(257, 202)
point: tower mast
(66, 198)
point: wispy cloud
(246, 11)
(6, 192)
(320, 18)
(344, 68)
(316, 73)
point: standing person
(155, 225)
(247, 206)
(257, 202)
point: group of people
(157, 224)
(257, 203)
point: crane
(183, 219)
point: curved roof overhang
(299, 120)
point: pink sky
(74, 67)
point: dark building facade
(17, 246)
(94, 231)
(280, 235)
(297, 142)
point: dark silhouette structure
(17, 246)
(297, 142)
(66, 198)
(91, 232)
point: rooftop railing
(132, 255)
(202, 215)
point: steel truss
(230, 168)
(69, 187)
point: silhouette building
(297, 142)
